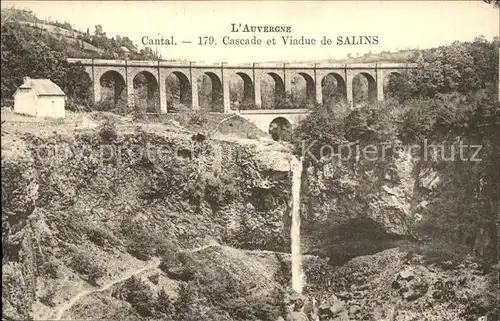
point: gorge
(86, 224)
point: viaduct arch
(178, 90)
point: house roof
(43, 87)
(124, 49)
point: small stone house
(39, 97)
(125, 52)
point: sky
(397, 24)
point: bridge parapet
(265, 65)
(83, 61)
(174, 64)
(274, 111)
(142, 63)
(201, 64)
(299, 65)
(392, 65)
(269, 65)
(361, 66)
(109, 62)
(330, 65)
(239, 66)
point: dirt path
(59, 313)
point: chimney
(27, 80)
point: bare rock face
(273, 156)
(297, 316)
(411, 284)
(374, 201)
(429, 179)
(20, 190)
(304, 308)
(331, 307)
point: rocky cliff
(111, 191)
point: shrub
(220, 191)
(141, 241)
(101, 236)
(164, 304)
(139, 295)
(262, 309)
(165, 248)
(7, 102)
(179, 266)
(48, 297)
(107, 131)
(178, 108)
(85, 264)
(437, 252)
(197, 117)
(283, 275)
(252, 136)
(194, 192)
(121, 107)
(154, 278)
(79, 104)
(70, 105)
(105, 105)
(142, 248)
(49, 269)
(139, 114)
(220, 286)
(144, 244)
(188, 295)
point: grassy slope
(61, 34)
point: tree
(99, 32)
(139, 295)
(25, 53)
(188, 296)
(164, 304)
(85, 264)
(495, 3)
(76, 83)
(462, 67)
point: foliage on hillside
(28, 51)
(24, 54)
(463, 67)
(107, 47)
(11, 14)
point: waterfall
(297, 274)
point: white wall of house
(50, 106)
(27, 102)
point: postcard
(250, 160)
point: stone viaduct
(188, 74)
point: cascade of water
(297, 274)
